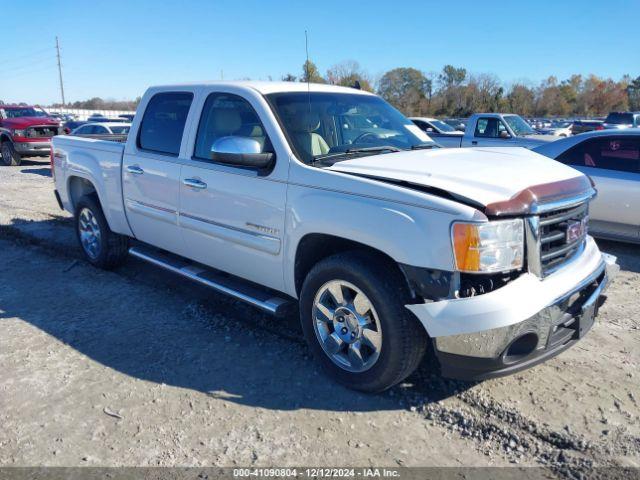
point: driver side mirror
(241, 152)
(504, 134)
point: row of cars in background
(558, 127)
(26, 131)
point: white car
(102, 128)
(385, 245)
(612, 159)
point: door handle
(136, 170)
(474, 142)
(194, 183)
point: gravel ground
(139, 367)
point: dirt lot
(139, 367)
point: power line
(37, 53)
(60, 71)
(28, 72)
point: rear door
(151, 171)
(613, 162)
(232, 218)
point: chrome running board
(224, 283)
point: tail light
(599, 127)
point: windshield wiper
(424, 146)
(354, 151)
(382, 148)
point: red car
(25, 131)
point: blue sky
(115, 49)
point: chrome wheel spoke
(355, 356)
(335, 290)
(372, 338)
(326, 313)
(361, 304)
(333, 343)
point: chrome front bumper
(40, 149)
(552, 318)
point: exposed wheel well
(4, 138)
(79, 187)
(317, 246)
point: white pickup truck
(488, 130)
(388, 245)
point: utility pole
(60, 71)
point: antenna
(306, 47)
(60, 71)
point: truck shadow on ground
(154, 326)
(44, 172)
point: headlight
(496, 246)
(19, 133)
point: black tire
(113, 248)
(404, 340)
(10, 157)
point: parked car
(127, 117)
(68, 127)
(25, 131)
(436, 129)
(558, 129)
(104, 128)
(496, 130)
(612, 160)
(583, 126)
(387, 244)
(621, 120)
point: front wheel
(10, 157)
(355, 322)
(101, 247)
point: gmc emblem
(576, 230)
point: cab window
(163, 122)
(228, 115)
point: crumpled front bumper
(521, 324)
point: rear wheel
(101, 247)
(10, 157)
(353, 317)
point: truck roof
(268, 87)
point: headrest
(257, 131)
(305, 122)
(225, 121)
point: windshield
(338, 125)
(619, 118)
(24, 112)
(518, 125)
(120, 129)
(443, 127)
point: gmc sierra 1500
(324, 196)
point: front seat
(222, 122)
(303, 126)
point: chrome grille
(41, 132)
(554, 237)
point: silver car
(612, 159)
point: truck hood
(482, 175)
(24, 122)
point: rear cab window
(162, 125)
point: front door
(232, 218)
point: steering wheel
(364, 135)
